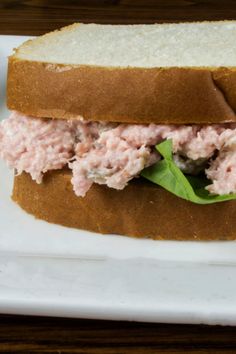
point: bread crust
(142, 209)
(129, 95)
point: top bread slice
(170, 73)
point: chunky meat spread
(113, 154)
(35, 145)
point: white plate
(51, 270)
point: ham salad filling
(112, 154)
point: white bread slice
(171, 73)
(142, 209)
(181, 45)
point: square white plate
(51, 270)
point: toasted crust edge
(141, 210)
(129, 95)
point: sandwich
(126, 129)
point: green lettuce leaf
(168, 175)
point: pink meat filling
(112, 159)
(222, 170)
(35, 145)
(113, 154)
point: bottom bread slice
(142, 209)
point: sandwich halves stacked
(126, 129)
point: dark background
(20, 334)
(40, 16)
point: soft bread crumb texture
(199, 44)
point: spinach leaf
(168, 175)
